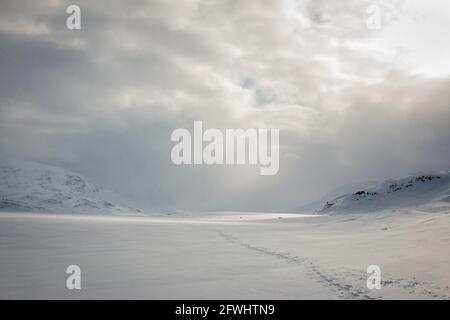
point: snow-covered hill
(31, 186)
(423, 189)
(317, 205)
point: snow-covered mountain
(317, 205)
(423, 189)
(31, 186)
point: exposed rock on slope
(431, 189)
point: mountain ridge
(430, 189)
(35, 187)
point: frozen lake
(226, 256)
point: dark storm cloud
(104, 100)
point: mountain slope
(318, 204)
(31, 186)
(430, 189)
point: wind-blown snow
(31, 186)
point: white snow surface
(430, 190)
(31, 186)
(216, 256)
(220, 255)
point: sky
(352, 103)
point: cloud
(351, 104)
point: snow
(31, 186)
(215, 255)
(422, 189)
(53, 218)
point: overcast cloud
(352, 104)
